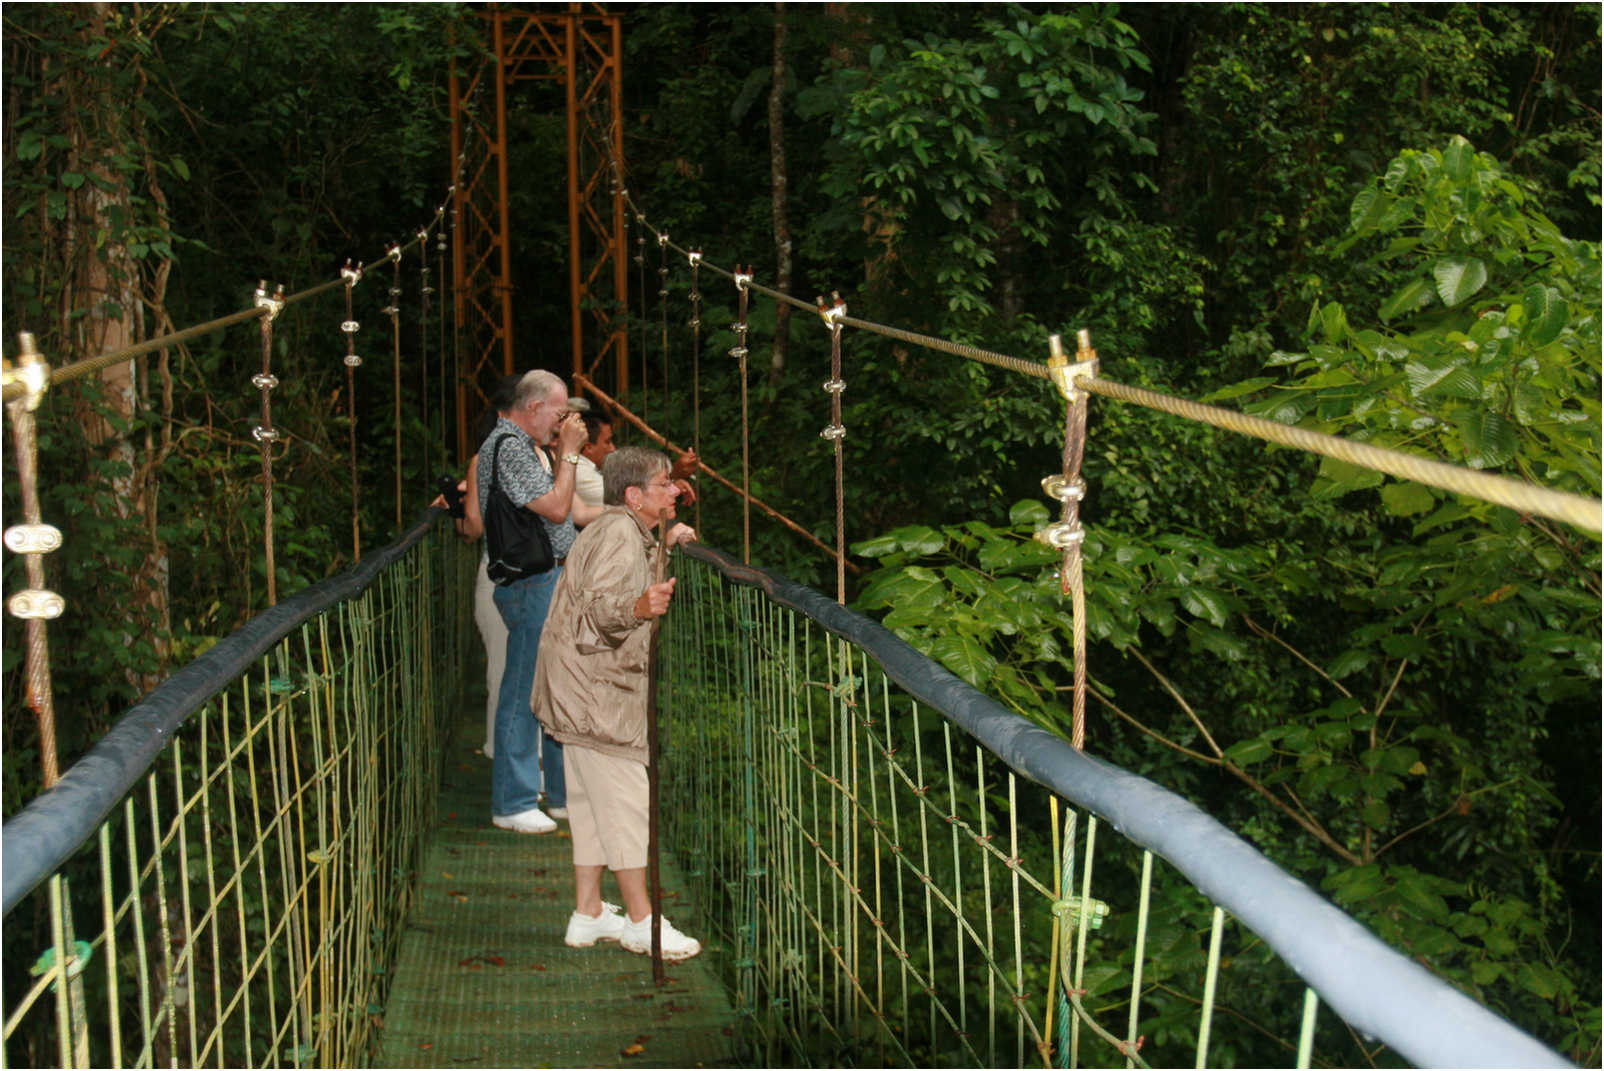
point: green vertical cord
(185, 966)
(1311, 1007)
(1020, 1012)
(985, 872)
(1068, 1021)
(1084, 914)
(1209, 982)
(58, 942)
(108, 925)
(957, 882)
(745, 951)
(1136, 960)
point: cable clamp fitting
(833, 313)
(1065, 491)
(1062, 536)
(423, 238)
(662, 238)
(393, 253)
(742, 279)
(264, 435)
(351, 275)
(835, 432)
(36, 603)
(274, 304)
(350, 327)
(695, 257)
(33, 538)
(1064, 372)
(30, 370)
(353, 361)
(834, 386)
(264, 381)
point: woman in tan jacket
(590, 694)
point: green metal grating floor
(483, 978)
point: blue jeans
(520, 744)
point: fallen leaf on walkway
(642, 996)
(496, 961)
(634, 1050)
(446, 874)
(427, 1045)
(537, 966)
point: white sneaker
(533, 820)
(558, 812)
(586, 930)
(637, 937)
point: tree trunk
(778, 184)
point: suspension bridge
(280, 856)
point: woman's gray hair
(629, 466)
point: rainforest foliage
(1377, 221)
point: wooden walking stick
(659, 569)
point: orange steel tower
(580, 46)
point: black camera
(454, 498)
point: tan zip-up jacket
(590, 679)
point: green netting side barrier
(909, 874)
(220, 881)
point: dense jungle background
(1379, 221)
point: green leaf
(965, 656)
(1413, 295)
(1458, 160)
(1407, 499)
(1248, 752)
(1546, 315)
(1458, 279)
(1028, 512)
(919, 539)
(1347, 663)
(1490, 440)
(1376, 814)
(878, 547)
(1203, 603)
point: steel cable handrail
(67, 372)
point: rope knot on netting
(833, 432)
(353, 361)
(264, 435)
(350, 327)
(1073, 909)
(835, 386)
(739, 352)
(264, 381)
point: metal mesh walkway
(483, 978)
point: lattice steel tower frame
(582, 47)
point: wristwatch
(572, 459)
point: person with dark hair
(590, 693)
(598, 444)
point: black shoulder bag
(516, 543)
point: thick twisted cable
(1574, 509)
(1579, 510)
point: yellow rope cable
(1579, 510)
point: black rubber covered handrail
(45, 833)
(1378, 991)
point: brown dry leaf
(537, 966)
(634, 1050)
(495, 961)
(427, 1045)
